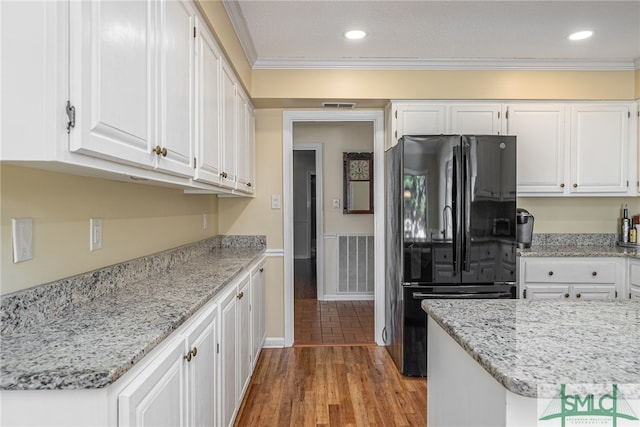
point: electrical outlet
(22, 239)
(205, 221)
(95, 234)
(336, 203)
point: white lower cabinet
(228, 356)
(178, 387)
(258, 329)
(634, 278)
(571, 278)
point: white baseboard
(273, 342)
(348, 297)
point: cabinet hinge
(396, 114)
(217, 348)
(71, 116)
(194, 163)
(628, 114)
(194, 32)
(524, 294)
(616, 294)
(506, 114)
(498, 114)
(627, 184)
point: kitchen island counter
(91, 344)
(524, 346)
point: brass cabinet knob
(164, 152)
(577, 295)
(594, 274)
(551, 273)
(240, 295)
(566, 295)
(575, 185)
(188, 357)
(248, 184)
(194, 351)
(562, 185)
(157, 150)
(262, 269)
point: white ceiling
(426, 34)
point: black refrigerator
(450, 231)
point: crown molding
(447, 64)
(240, 26)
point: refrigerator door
(489, 212)
(430, 200)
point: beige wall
(137, 220)
(387, 84)
(637, 85)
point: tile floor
(327, 322)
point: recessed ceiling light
(355, 34)
(580, 35)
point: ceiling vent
(338, 104)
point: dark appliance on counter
(450, 231)
(524, 227)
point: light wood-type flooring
(327, 322)
(332, 386)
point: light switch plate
(95, 234)
(205, 221)
(22, 239)
(275, 201)
(336, 203)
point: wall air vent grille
(339, 104)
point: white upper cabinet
(541, 132)
(245, 144)
(600, 149)
(229, 127)
(122, 89)
(417, 119)
(177, 87)
(113, 79)
(208, 123)
(476, 119)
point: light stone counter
(107, 323)
(524, 344)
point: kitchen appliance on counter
(450, 231)
(524, 227)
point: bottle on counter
(625, 226)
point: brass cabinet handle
(594, 274)
(562, 185)
(164, 152)
(551, 273)
(157, 150)
(566, 295)
(577, 295)
(194, 351)
(575, 185)
(188, 357)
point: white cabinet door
(258, 330)
(113, 79)
(228, 356)
(420, 120)
(244, 338)
(599, 146)
(242, 108)
(208, 96)
(251, 152)
(229, 127)
(540, 134)
(156, 397)
(202, 374)
(176, 87)
(546, 292)
(481, 119)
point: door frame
(316, 147)
(377, 119)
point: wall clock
(358, 183)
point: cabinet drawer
(570, 272)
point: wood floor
(332, 386)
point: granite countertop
(579, 251)
(525, 344)
(93, 344)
